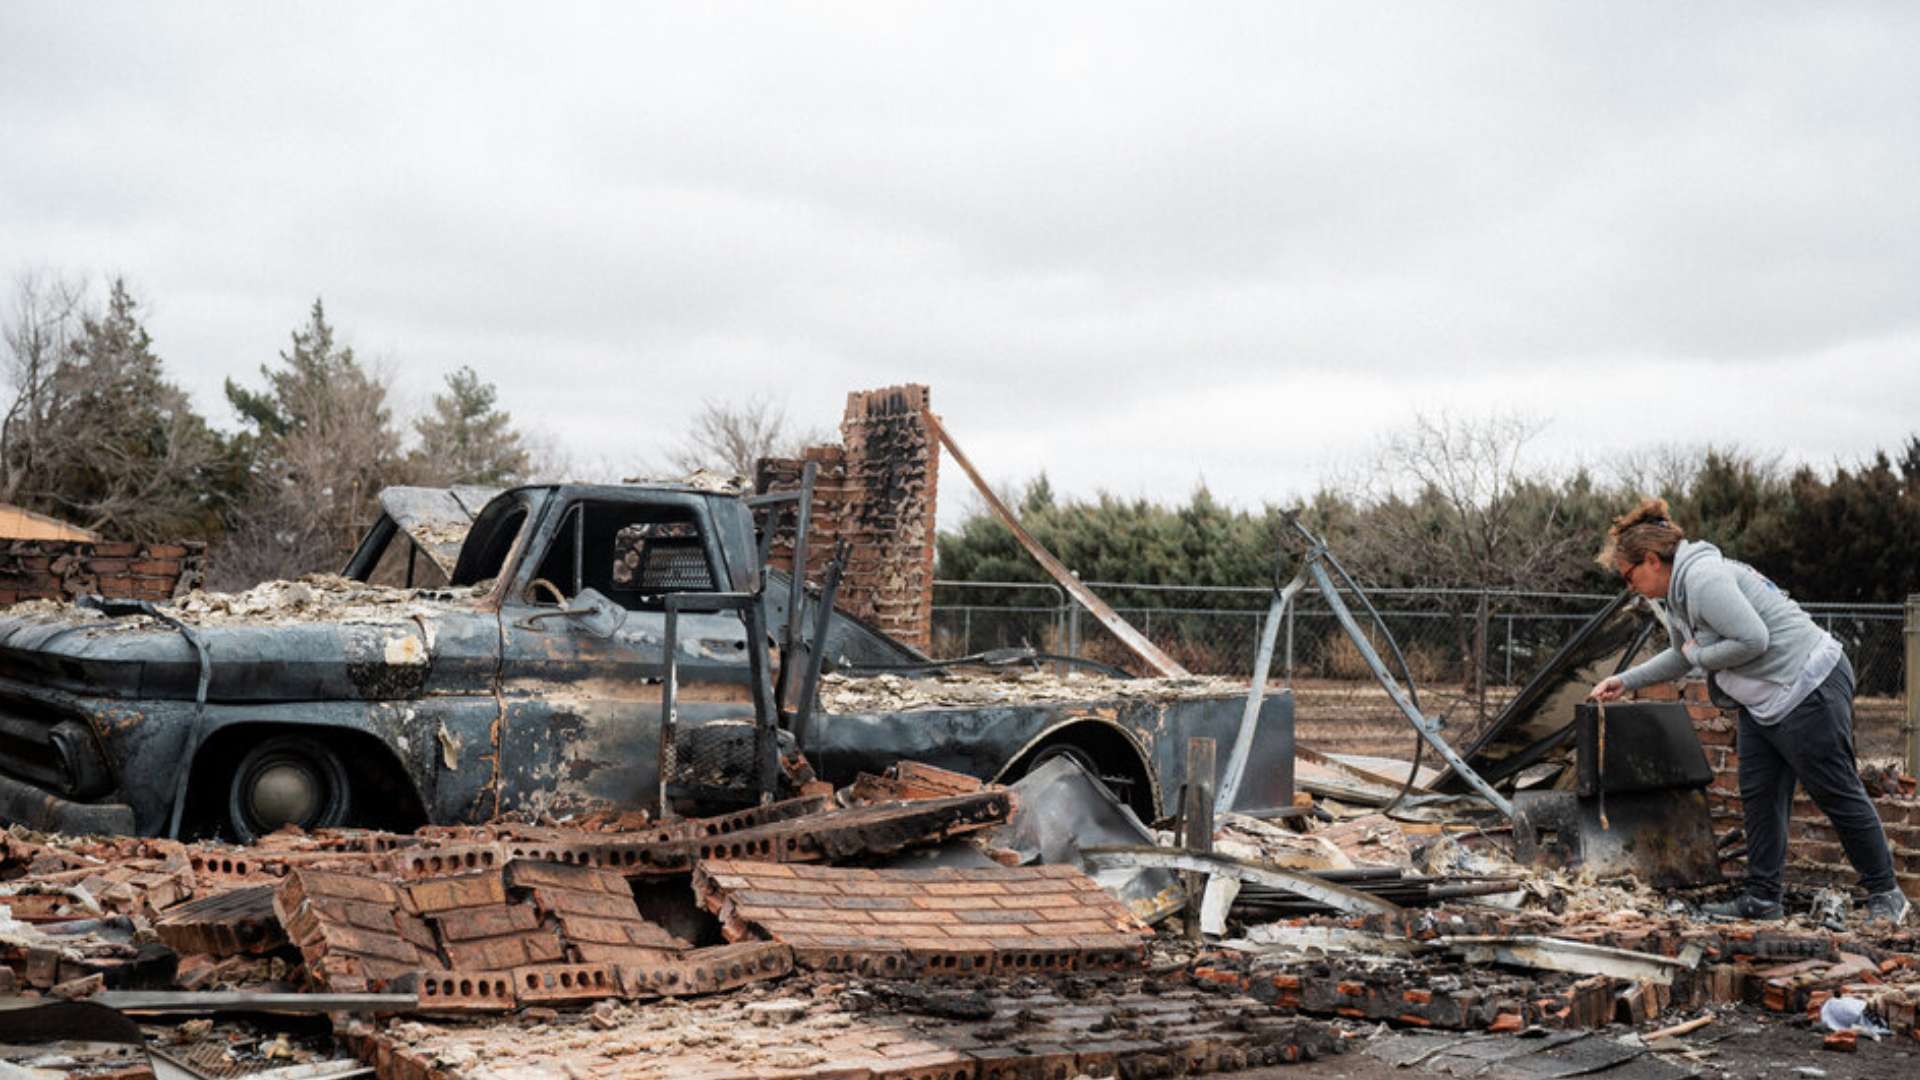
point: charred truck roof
(485, 651)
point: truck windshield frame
(653, 544)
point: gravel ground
(1742, 1044)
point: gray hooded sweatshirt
(1742, 622)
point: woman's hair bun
(1651, 511)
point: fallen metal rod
(1352, 901)
(1274, 813)
(1361, 873)
(206, 1001)
(1122, 629)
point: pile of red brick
(827, 1031)
(1003, 920)
(492, 918)
(64, 569)
(1783, 969)
(1814, 845)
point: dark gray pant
(1814, 745)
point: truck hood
(321, 638)
(437, 518)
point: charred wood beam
(1109, 618)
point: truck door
(582, 629)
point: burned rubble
(889, 929)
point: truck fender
(1109, 743)
(373, 755)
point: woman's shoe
(1747, 906)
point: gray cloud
(1134, 246)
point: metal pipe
(1290, 611)
(1196, 824)
(816, 652)
(766, 711)
(1428, 729)
(797, 585)
(1256, 694)
(668, 716)
(579, 547)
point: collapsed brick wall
(878, 491)
(64, 569)
(1813, 846)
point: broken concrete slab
(1575, 957)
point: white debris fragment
(314, 598)
(405, 651)
(449, 747)
(880, 693)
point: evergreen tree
(467, 439)
(321, 445)
(103, 439)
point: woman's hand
(1607, 689)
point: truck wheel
(287, 780)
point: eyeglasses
(1627, 574)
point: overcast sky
(1133, 246)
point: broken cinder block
(350, 928)
(1017, 920)
(237, 922)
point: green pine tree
(467, 439)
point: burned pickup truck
(523, 650)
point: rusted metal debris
(590, 946)
(1306, 885)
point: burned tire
(287, 780)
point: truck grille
(58, 753)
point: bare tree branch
(732, 437)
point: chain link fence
(1467, 649)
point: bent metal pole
(1426, 726)
(1313, 565)
(1256, 695)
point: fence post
(1507, 680)
(1912, 664)
(1073, 627)
(1480, 656)
(1060, 632)
(1290, 608)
